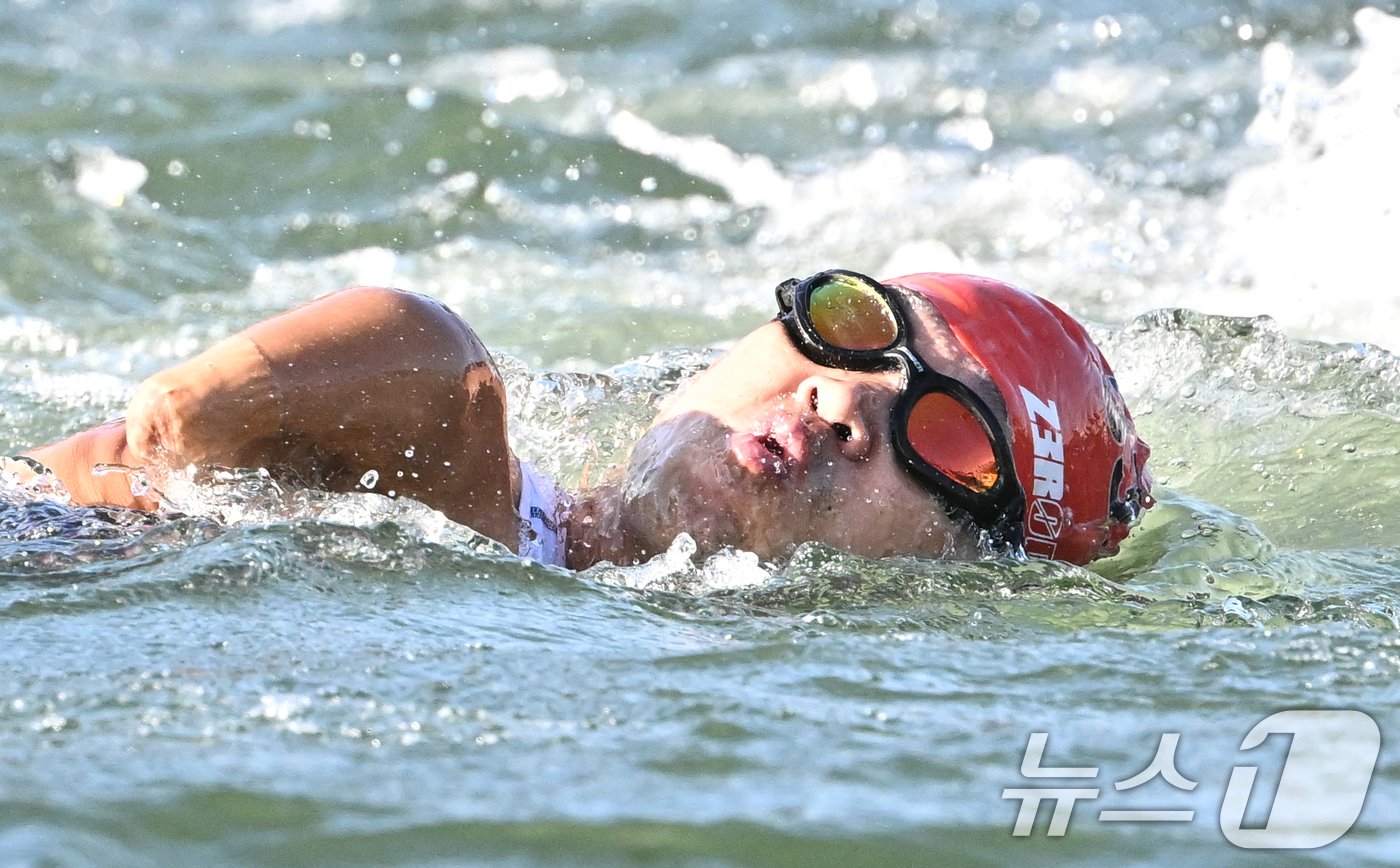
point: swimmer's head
(1081, 468)
(978, 413)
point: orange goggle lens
(945, 433)
(850, 315)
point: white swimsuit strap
(541, 518)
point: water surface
(607, 190)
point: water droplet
(370, 479)
(1107, 28)
(408, 453)
(421, 98)
(1348, 447)
(51, 722)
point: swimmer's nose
(845, 407)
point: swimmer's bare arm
(365, 379)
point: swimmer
(938, 415)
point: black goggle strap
(786, 293)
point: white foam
(1314, 229)
(675, 570)
(520, 72)
(270, 16)
(106, 178)
(750, 180)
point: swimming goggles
(945, 435)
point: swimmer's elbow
(424, 327)
(161, 423)
(205, 409)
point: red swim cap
(1077, 454)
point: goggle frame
(1000, 509)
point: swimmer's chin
(683, 478)
(750, 490)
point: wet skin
(364, 379)
(766, 449)
(763, 450)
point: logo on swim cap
(1044, 521)
(1045, 516)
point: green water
(323, 680)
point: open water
(607, 190)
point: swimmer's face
(766, 449)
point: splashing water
(290, 675)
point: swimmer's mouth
(769, 442)
(780, 452)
